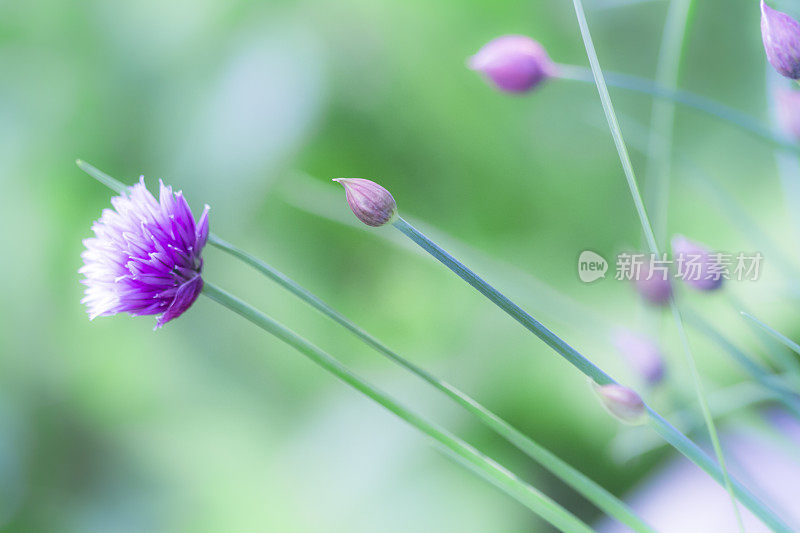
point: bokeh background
(210, 425)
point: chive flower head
(642, 355)
(622, 403)
(653, 284)
(513, 63)
(371, 204)
(781, 36)
(696, 265)
(145, 257)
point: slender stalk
(102, 177)
(624, 157)
(734, 212)
(772, 343)
(504, 303)
(571, 476)
(786, 161)
(723, 402)
(755, 370)
(780, 337)
(679, 441)
(662, 122)
(695, 101)
(463, 452)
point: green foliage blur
(208, 425)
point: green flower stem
(571, 476)
(503, 302)
(637, 441)
(755, 370)
(772, 342)
(737, 216)
(463, 452)
(791, 363)
(662, 427)
(102, 177)
(682, 97)
(662, 122)
(624, 157)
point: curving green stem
(686, 98)
(564, 471)
(674, 437)
(460, 450)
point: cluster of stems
(659, 170)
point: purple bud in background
(695, 264)
(623, 403)
(372, 204)
(653, 284)
(513, 63)
(642, 354)
(781, 36)
(788, 103)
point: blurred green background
(210, 425)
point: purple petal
(185, 297)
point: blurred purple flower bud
(372, 204)
(623, 403)
(695, 264)
(788, 102)
(643, 355)
(653, 284)
(781, 36)
(513, 63)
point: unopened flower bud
(653, 284)
(623, 403)
(696, 266)
(372, 204)
(643, 355)
(513, 63)
(788, 106)
(781, 36)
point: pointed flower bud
(653, 284)
(372, 204)
(623, 403)
(696, 265)
(513, 63)
(788, 103)
(781, 36)
(643, 355)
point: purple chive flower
(514, 63)
(145, 256)
(653, 284)
(623, 403)
(781, 36)
(696, 265)
(372, 204)
(642, 354)
(789, 111)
